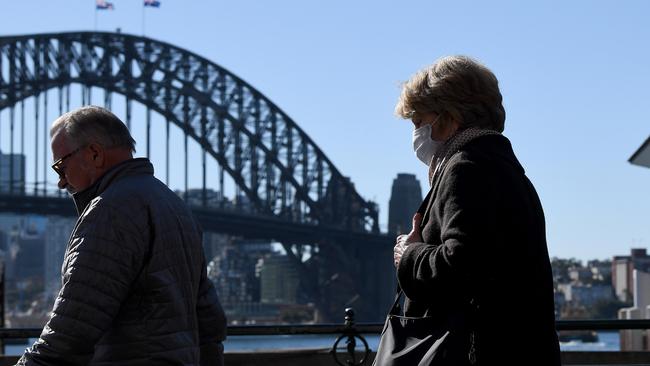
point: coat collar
(139, 166)
(452, 146)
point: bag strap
(396, 308)
(425, 202)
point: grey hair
(92, 124)
(456, 87)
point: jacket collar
(455, 143)
(139, 166)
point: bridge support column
(377, 281)
(347, 274)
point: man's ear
(97, 155)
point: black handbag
(424, 341)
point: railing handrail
(363, 328)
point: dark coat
(135, 288)
(485, 242)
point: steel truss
(276, 165)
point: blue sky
(574, 76)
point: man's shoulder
(143, 194)
(128, 196)
(137, 187)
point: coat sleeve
(211, 321)
(104, 257)
(465, 209)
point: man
(135, 288)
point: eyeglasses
(58, 167)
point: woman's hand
(405, 239)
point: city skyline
(572, 75)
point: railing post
(351, 335)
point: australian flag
(104, 5)
(152, 3)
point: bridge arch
(269, 157)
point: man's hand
(405, 239)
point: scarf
(452, 146)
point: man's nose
(62, 182)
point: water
(275, 342)
(607, 341)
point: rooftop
(642, 156)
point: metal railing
(350, 332)
(363, 328)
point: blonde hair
(455, 87)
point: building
(233, 269)
(10, 222)
(642, 156)
(405, 198)
(637, 339)
(279, 280)
(560, 301)
(23, 246)
(29, 262)
(12, 173)
(195, 197)
(232, 274)
(586, 295)
(631, 278)
(622, 272)
(601, 271)
(58, 231)
(580, 274)
(214, 243)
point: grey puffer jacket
(135, 288)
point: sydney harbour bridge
(285, 187)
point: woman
(478, 242)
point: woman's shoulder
(485, 159)
(488, 150)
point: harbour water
(607, 341)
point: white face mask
(424, 146)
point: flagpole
(143, 19)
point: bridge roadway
(363, 257)
(216, 220)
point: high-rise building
(12, 173)
(18, 230)
(231, 276)
(279, 280)
(232, 269)
(637, 339)
(11, 222)
(214, 244)
(405, 198)
(58, 231)
(29, 263)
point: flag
(103, 5)
(152, 3)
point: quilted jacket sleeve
(212, 322)
(104, 256)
